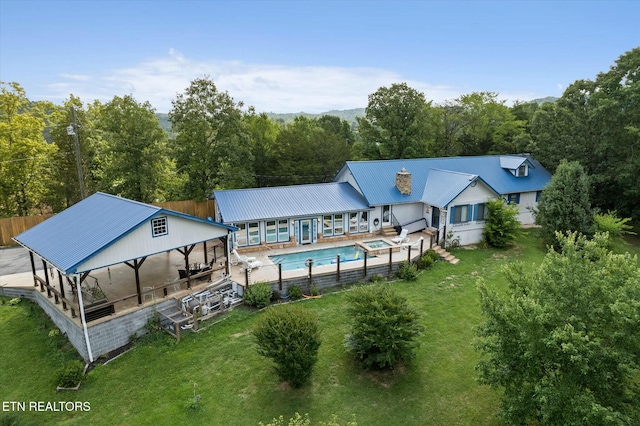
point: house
(441, 194)
(92, 237)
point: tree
(263, 133)
(307, 153)
(396, 124)
(501, 225)
(384, 328)
(290, 336)
(212, 146)
(25, 155)
(564, 204)
(487, 125)
(563, 343)
(134, 160)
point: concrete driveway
(15, 260)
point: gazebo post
(46, 278)
(33, 269)
(185, 253)
(64, 304)
(206, 257)
(136, 267)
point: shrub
(295, 292)
(433, 255)
(299, 420)
(425, 262)
(501, 225)
(407, 271)
(384, 327)
(611, 223)
(258, 295)
(290, 336)
(71, 374)
(14, 301)
(314, 290)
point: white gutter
(83, 320)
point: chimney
(403, 181)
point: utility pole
(73, 130)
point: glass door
(386, 215)
(305, 231)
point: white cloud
(276, 88)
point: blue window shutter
(469, 212)
(518, 198)
(452, 214)
(475, 212)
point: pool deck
(269, 271)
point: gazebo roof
(72, 238)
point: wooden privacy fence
(12, 226)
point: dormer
(516, 165)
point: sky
(311, 56)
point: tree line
(217, 143)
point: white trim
(82, 317)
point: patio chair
(414, 245)
(148, 292)
(249, 265)
(402, 237)
(241, 258)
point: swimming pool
(320, 257)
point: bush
(407, 271)
(299, 420)
(425, 262)
(611, 223)
(384, 327)
(501, 225)
(290, 336)
(71, 374)
(314, 290)
(433, 255)
(258, 295)
(295, 292)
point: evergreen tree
(564, 204)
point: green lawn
(152, 384)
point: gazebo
(103, 232)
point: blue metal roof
(511, 162)
(376, 179)
(242, 205)
(84, 229)
(443, 186)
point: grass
(154, 383)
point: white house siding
(469, 232)
(346, 176)
(407, 213)
(527, 202)
(140, 242)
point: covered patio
(107, 257)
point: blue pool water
(320, 257)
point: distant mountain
(348, 115)
(164, 121)
(541, 101)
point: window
(522, 170)
(338, 224)
(513, 198)
(353, 222)
(480, 212)
(364, 222)
(283, 230)
(254, 233)
(159, 226)
(241, 234)
(460, 214)
(538, 195)
(327, 225)
(272, 232)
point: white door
(386, 215)
(306, 231)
